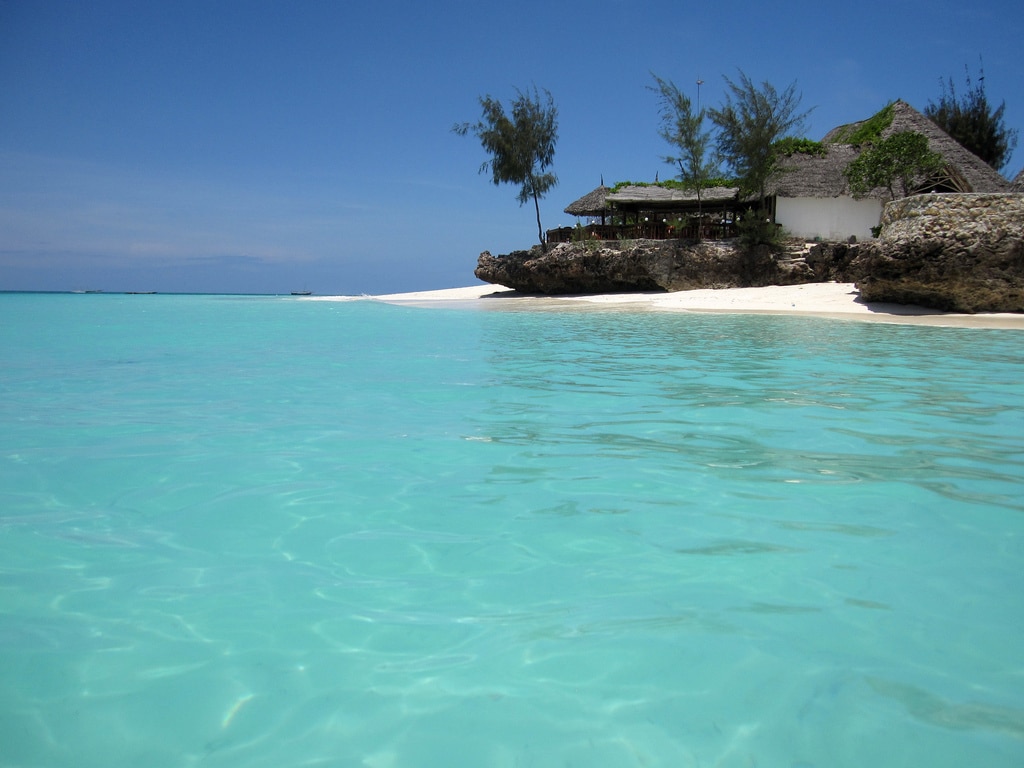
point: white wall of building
(834, 218)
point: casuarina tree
(682, 128)
(749, 123)
(972, 121)
(521, 143)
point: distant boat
(302, 293)
(87, 290)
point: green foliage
(972, 122)
(750, 122)
(791, 145)
(756, 228)
(903, 157)
(676, 184)
(868, 132)
(581, 235)
(683, 129)
(521, 144)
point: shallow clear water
(267, 532)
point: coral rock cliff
(956, 252)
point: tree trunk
(700, 214)
(540, 231)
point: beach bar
(652, 212)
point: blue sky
(265, 147)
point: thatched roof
(662, 197)
(964, 166)
(591, 204)
(818, 176)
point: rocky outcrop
(642, 265)
(956, 252)
(570, 268)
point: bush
(792, 146)
(757, 228)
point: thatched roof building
(637, 197)
(966, 172)
(651, 211)
(643, 197)
(820, 176)
(811, 196)
(591, 204)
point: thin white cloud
(68, 206)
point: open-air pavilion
(653, 212)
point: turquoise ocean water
(269, 532)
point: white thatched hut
(811, 197)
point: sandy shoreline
(835, 300)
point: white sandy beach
(835, 300)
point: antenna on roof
(602, 179)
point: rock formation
(640, 265)
(956, 252)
